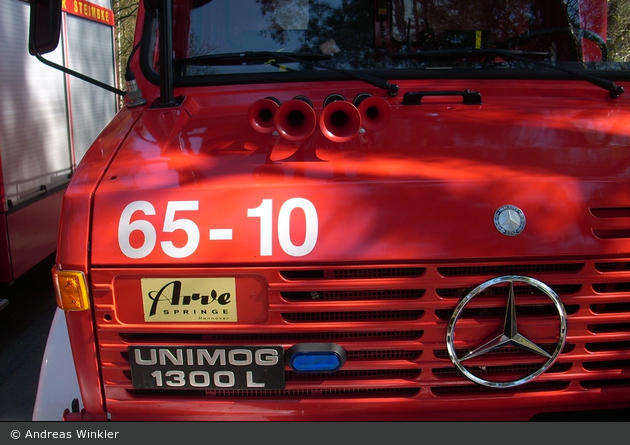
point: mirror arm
(78, 75)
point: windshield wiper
(269, 57)
(446, 53)
(246, 58)
(613, 89)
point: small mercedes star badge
(509, 220)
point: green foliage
(619, 30)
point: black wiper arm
(446, 53)
(250, 57)
(613, 89)
(246, 58)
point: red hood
(426, 187)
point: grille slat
(345, 295)
(490, 312)
(285, 337)
(280, 394)
(348, 274)
(352, 316)
(518, 269)
(561, 290)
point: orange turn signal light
(71, 290)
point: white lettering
(197, 383)
(266, 357)
(251, 383)
(47, 434)
(152, 360)
(98, 434)
(203, 354)
(234, 360)
(166, 354)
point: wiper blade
(247, 58)
(263, 57)
(613, 89)
(445, 53)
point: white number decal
(126, 227)
(205, 379)
(171, 225)
(178, 378)
(265, 212)
(200, 379)
(284, 227)
(158, 377)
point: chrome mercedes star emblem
(509, 334)
(509, 220)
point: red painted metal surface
(418, 196)
(438, 170)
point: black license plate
(207, 367)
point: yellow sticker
(477, 39)
(189, 299)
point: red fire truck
(354, 210)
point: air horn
(375, 111)
(295, 119)
(260, 114)
(340, 121)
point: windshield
(231, 37)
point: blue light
(316, 357)
(315, 362)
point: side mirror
(44, 27)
